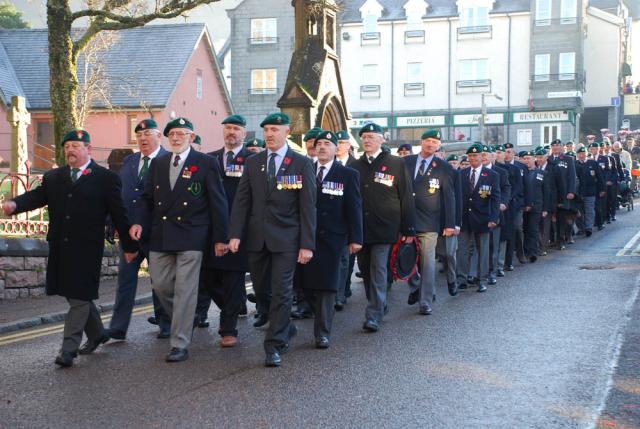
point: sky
(214, 15)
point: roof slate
(9, 84)
(149, 81)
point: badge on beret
(370, 127)
(279, 119)
(181, 121)
(79, 134)
(143, 125)
(474, 150)
(328, 135)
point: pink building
(161, 71)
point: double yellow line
(58, 328)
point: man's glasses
(178, 134)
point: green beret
(326, 135)
(452, 157)
(475, 148)
(277, 118)
(405, 146)
(487, 148)
(76, 136)
(524, 153)
(146, 124)
(235, 120)
(371, 127)
(177, 123)
(343, 135)
(546, 147)
(569, 143)
(431, 134)
(255, 143)
(605, 143)
(556, 142)
(312, 133)
(582, 149)
(595, 144)
(570, 153)
(498, 148)
(197, 140)
(463, 158)
(509, 146)
(540, 152)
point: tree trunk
(62, 72)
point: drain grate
(596, 267)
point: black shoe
(201, 321)
(251, 297)
(116, 335)
(613, 219)
(522, 260)
(152, 320)
(473, 280)
(608, 221)
(386, 309)
(322, 343)
(425, 310)
(243, 310)
(600, 227)
(91, 345)
(348, 293)
(561, 247)
(492, 281)
(293, 331)
(261, 320)
(453, 288)
(433, 298)
(339, 305)
(511, 267)
(533, 258)
(371, 326)
(500, 273)
(65, 359)
(482, 288)
(301, 314)
(165, 332)
(177, 355)
(588, 233)
(359, 275)
(272, 359)
(414, 297)
(462, 286)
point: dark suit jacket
(77, 216)
(566, 169)
(132, 189)
(434, 195)
(590, 178)
(457, 181)
(192, 215)
(388, 208)
(231, 261)
(557, 185)
(539, 195)
(477, 211)
(283, 220)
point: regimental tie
(271, 168)
(176, 160)
(144, 168)
(229, 158)
(371, 159)
(472, 179)
(423, 167)
(74, 174)
(320, 175)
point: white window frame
(569, 73)
(541, 75)
(525, 137)
(473, 70)
(370, 74)
(568, 11)
(470, 17)
(370, 23)
(551, 136)
(264, 31)
(259, 80)
(543, 19)
(419, 76)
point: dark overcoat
(481, 204)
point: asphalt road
(539, 350)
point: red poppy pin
(193, 168)
(86, 171)
(484, 174)
(433, 164)
(239, 160)
(286, 160)
(383, 168)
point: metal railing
(370, 38)
(267, 40)
(556, 21)
(263, 91)
(555, 77)
(22, 225)
(484, 30)
(370, 91)
(472, 84)
(413, 88)
(414, 36)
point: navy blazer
(590, 178)
(434, 195)
(481, 204)
(539, 195)
(566, 168)
(190, 216)
(516, 180)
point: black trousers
(227, 290)
(322, 302)
(531, 223)
(612, 201)
(272, 276)
(515, 242)
(601, 208)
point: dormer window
(415, 10)
(370, 12)
(475, 17)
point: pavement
(553, 345)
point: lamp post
(483, 114)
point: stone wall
(23, 266)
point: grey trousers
(494, 251)
(373, 261)
(589, 210)
(322, 302)
(175, 277)
(468, 241)
(448, 247)
(426, 279)
(343, 272)
(83, 316)
(545, 233)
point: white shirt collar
(152, 154)
(236, 150)
(281, 152)
(84, 167)
(326, 166)
(375, 155)
(183, 155)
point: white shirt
(280, 154)
(476, 172)
(344, 160)
(375, 155)
(236, 150)
(183, 157)
(151, 156)
(326, 166)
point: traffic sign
(615, 101)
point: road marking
(632, 248)
(59, 327)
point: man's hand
(8, 207)
(130, 257)
(354, 248)
(503, 207)
(570, 196)
(527, 209)
(220, 249)
(304, 256)
(457, 230)
(406, 238)
(492, 225)
(234, 245)
(544, 214)
(135, 232)
(449, 232)
(609, 183)
(602, 194)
